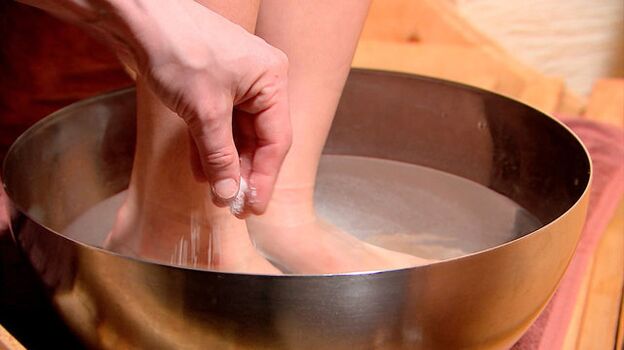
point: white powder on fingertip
(238, 203)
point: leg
(168, 215)
(319, 38)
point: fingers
(205, 102)
(266, 133)
(196, 166)
(212, 134)
(273, 138)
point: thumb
(217, 152)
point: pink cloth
(606, 147)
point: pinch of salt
(238, 203)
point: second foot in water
(313, 246)
(219, 242)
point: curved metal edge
(42, 123)
(60, 114)
(451, 83)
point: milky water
(399, 206)
(415, 209)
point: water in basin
(399, 206)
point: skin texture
(289, 231)
(165, 202)
(218, 76)
(183, 51)
(231, 90)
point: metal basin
(83, 154)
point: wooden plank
(7, 342)
(602, 307)
(434, 21)
(452, 62)
(574, 328)
(392, 20)
(436, 24)
(571, 105)
(544, 94)
(606, 102)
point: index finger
(273, 139)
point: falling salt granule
(183, 254)
(238, 203)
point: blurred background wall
(580, 40)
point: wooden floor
(598, 311)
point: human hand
(226, 83)
(230, 88)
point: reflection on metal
(83, 154)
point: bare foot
(295, 239)
(168, 215)
(219, 242)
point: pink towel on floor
(606, 147)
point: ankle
(297, 198)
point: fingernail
(226, 188)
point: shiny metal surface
(83, 154)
